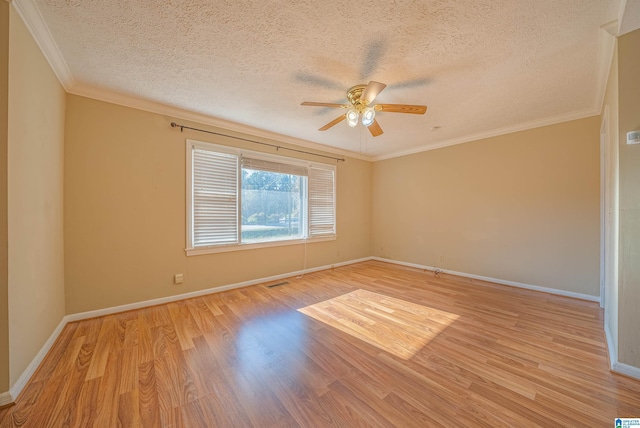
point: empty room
(309, 214)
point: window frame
(239, 153)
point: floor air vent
(278, 284)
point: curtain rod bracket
(175, 125)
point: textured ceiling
(630, 17)
(482, 67)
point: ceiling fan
(360, 104)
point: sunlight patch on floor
(399, 327)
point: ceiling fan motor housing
(353, 95)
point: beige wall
(35, 197)
(610, 107)
(4, 110)
(125, 213)
(520, 207)
(629, 253)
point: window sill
(240, 247)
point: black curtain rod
(183, 127)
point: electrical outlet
(178, 278)
(441, 259)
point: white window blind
(269, 166)
(215, 198)
(239, 199)
(322, 210)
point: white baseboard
(5, 398)
(626, 369)
(496, 280)
(611, 348)
(615, 365)
(17, 387)
(176, 297)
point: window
(241, 199)
(273, 201)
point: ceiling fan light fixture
(352, 117)
(361, 99)
(368, 116)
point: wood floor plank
(106, 340)
(352, 411)
(148, 405)
(183, 323)
(370, 344)
(86, 405)
(57, 350)
(129, 372)
(200, 313)
(108, 393)
(17, 415)
(63, 413)
(145, 341)
(129, 409)
(4, 411)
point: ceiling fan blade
(402, 108)
(371, 91)
(375, 129)
(333, 122)
(314, 104)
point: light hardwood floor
(370, 344)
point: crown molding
(611, 27)
(606, 44)
(493, 133)
(179, 113)
(32, 18)
(623, 6)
